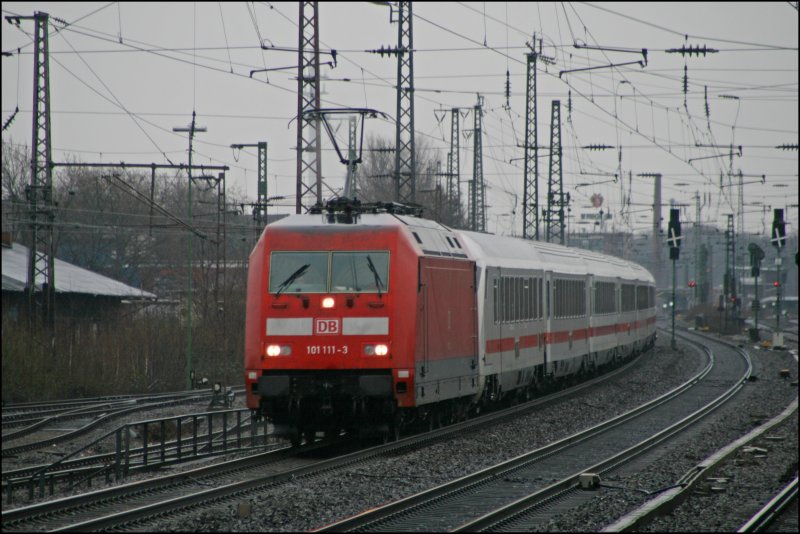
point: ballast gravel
(310, 503)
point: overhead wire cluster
(676, 131)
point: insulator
(685, 79)
(508, 88)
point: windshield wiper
(292, 277)
(375, 273)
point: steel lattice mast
(477, 211)
(40, 191)
(729, 280)
(530, 199)
(453, 169)
(309, 156)
(555, 189)
(260, 213)
(405, 158)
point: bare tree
(16, 171)
(376, 180)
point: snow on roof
(69, 278)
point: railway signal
(674, 234)
(778, 229)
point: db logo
(327, 327)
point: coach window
(539, 299)
(359, 272)
(528, 298)
(509, 299)
(628, 297)
(298, 272)
(494, 300)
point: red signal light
(776, 283)
(692, 283)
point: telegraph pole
(189, 365)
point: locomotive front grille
(300, 384)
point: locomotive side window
(359, 272)
(298, 272)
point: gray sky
(124, 74)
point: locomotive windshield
(329, 272)
(359, 272)
(287, 272)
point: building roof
(69, 278)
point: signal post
(778, 240)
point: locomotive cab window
(323, 272)
(298, 272)
(358, 272)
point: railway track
(88, 415)
(239, 435)
(524, 491)
(26, 413)
(232, 481)
(781, 509)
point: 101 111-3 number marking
(325, 350)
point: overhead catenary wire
(590, 113)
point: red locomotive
(374, 319)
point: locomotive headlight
(279, 350)
(376, 350)
(327, 302)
